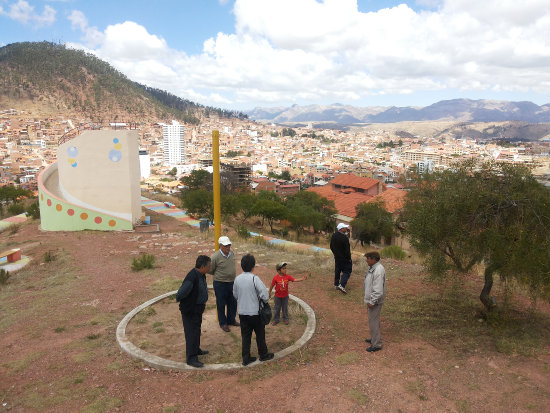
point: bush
(4, 275)
(16, 209)
(243, 232)
(144, 261)
(49, 256)
(14, 228)
(393, 251)
(34, 210)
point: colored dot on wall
(98, 220)
(42, 197)
(118, 146)
(115, 140)
(70, 212)
(84, 216)
(49, 202)
(112, 223)
(58, 207)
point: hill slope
(50, 78)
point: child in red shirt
(280, 282)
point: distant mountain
(49, 78)
(460, 110)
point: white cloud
(289, 50)
(23, 12)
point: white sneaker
(342, 289)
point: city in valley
(311, 156)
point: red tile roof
(345, 203)
(393, 199)
(354, 181)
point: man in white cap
(223, 269)
(339, 245)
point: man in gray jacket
(375, 292)
(223, 269)
(248, 290)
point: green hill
(49, 78)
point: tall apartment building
(174, 144)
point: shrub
(49, 256)
(144, 261)
(16, 209)
(14, 228)
(34, 210)
(243, 232)
(4, 275)
(393, 251)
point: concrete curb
(160, 363)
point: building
(174, 144)
(235, 175)
(144, 164)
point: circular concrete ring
(161, 363)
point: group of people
(247, 290)
(374, 285)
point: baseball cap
(342, 225)
(280, 265)
(224, 241)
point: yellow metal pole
(216, 187)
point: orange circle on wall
(58, 207)
(112, 223)
(98, 220)
(70, 212)
(42, 197)
(84, 216)
(49, 202)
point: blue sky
(240, 54)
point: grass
(348, 358)
(144, 261)
(19, 365)
(358, 397)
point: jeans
(225, 299)
(343, 267)
(192, 322)
(280, 303)
(251, 323)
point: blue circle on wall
(115, 155)
(74, 165)
(115, 140)
(72, 151)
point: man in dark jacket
(192, 296)
(339, 245)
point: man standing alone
(223, 269)
(375, 292)
(192, 296)
(339, 245)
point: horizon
(277, 53)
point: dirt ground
(59, 352)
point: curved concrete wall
(93, 185)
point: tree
(492, 214)
(269, 206)
(199, 178)
(318, 211)
(173, 171)
(372, 222)
(198, 202)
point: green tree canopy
(199, 178)
(493, 214)
(372, 222)
(309, 209)
(269, 208)
(198, 202)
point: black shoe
(372, 349)
(249, 360)
(268, 356)
(195, 363)
(225, 328)
(203, 352)
(368, 340)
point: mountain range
(459, 110)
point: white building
(174, 144)
(144, 164)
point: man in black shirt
(339, 245)
(192, 297)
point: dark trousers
(342, 267)
(251, 323)
(225, 299)
(192, 322)
(280, 303)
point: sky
(242, 54)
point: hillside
(49, 78)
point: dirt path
(59, 352)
